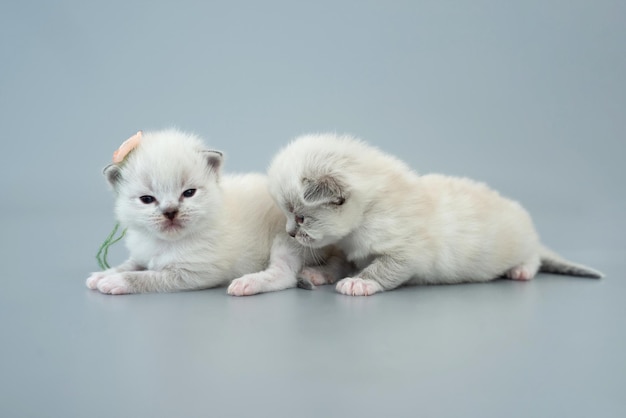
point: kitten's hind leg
(383, 273)
(315, 276)
(525, 271)
(285, 262)
(333, 267)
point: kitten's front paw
(247, 285)
(114, 284)
(95, 277)
(92, 281)
(358, 287)
(263, 281)
(318, 278)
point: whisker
(317, 259)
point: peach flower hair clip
(126, 147)
(118, 156)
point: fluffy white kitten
(190, 227)
(401, 228)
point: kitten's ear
(113, 174)
(214, 160)
(324, 189)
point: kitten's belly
(457, 264)
(450, 257)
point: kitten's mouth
(305, 239)
(172, 226)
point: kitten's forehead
(294, 201)
(166, 162)
(168, 179)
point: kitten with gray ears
(400, 228)
(190, 227)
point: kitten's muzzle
(304, 239)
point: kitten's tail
(551, 262)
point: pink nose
(170, 214)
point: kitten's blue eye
(147, 199)
(189, 192)
(299, 219)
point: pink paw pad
(520, 273)
(314, 276)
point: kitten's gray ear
(324, 189)
(214, 160)
(113, 174)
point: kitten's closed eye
(189, 192)
(147, 199)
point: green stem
(103, 252)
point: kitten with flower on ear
(190, 227)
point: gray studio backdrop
(528, 96)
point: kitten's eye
(147, 199)
(189, 192)
(339, 201)
(299, 219)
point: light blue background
(528, 96)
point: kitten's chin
(172, 231)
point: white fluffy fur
(401, 228)
(229, 228)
